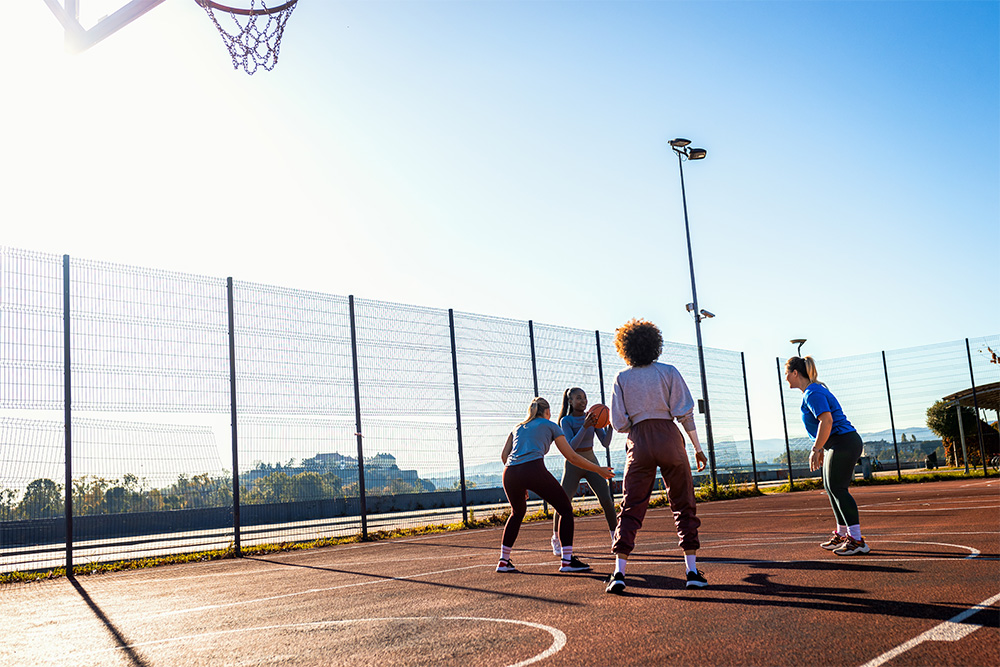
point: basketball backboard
(79, 38)
(251, 33)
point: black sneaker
(574, 564)
(616, 584)
(696, 580)
(506, 566)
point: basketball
(602, 414)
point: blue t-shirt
(532, 440)
(579, 437)
(816, 400)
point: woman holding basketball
(579, 428)
(648, 396)
(836, 449)
(523, 455)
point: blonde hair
(537, 409)
(805, 366)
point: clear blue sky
(510, 158)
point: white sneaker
(556, 545)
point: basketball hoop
(251, 45)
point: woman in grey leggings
(836, 449)
(579, 429)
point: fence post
(892, 422)
(746, 393)
(68, 418)
(600, 378)
(232, 415)
(357, 424)
(961, 436)
(458, 417)
(534, 379)
(784, 425)
(979, 421)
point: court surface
(928, 594)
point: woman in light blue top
(836, 449)
(579, 429)
(524, 454)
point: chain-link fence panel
(407, 394)
(150, 378)
(496, 387)
(297, 444)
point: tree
(942, 418)
(42, 499)
(8, 504)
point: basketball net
(256, 38)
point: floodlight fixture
(799, 342)
(683, 150)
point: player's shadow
(123, 642)
(757, 590)
(424, 582)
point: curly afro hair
(638, 342)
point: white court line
(558, 636)
(951, 630)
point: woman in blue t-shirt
(836, 449)
(579, 428)
(524, 458)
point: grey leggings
(571, 481)
(840, 457)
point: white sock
(842, 530)
(855, 531)
(691, 561)
(620, 562)
(567, 553)
(504, 553)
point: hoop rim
(246, 12)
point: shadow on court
(432, 584)
(121, 640)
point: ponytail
(538, 406)
(806, 367)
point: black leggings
(534, 476)
(840, 457)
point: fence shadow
(123, 643)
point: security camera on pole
(685, 152)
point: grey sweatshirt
(656, 391)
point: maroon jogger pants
(652, 444)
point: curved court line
(973, 553)
(950, 631)
(558, 636)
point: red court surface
(928, 594)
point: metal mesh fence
(32, 436)
(496, 386)
(339, 415)
(150, 379)
(295, 415)
(889, 397)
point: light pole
(800, 342)
(684, 152)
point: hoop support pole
(78, 39)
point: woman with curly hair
(647, 397)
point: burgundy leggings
(534, 476)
